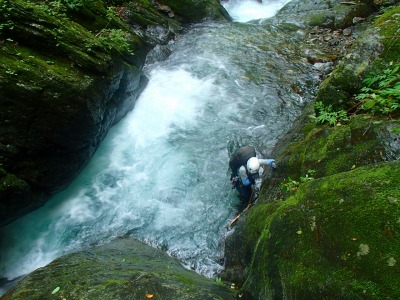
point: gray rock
(331, 14)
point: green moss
(335, 237)
(331, 150)
(113, 282)
(388, 24)
(308, 128)
(26, 69)
(343, 83)
(196, 11)
(263, 267)
(108, 272)
(62, 38)
(145, 13)
(184, 279)
(10, 182)
(318, 19)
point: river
(161, 175)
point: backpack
(240, 158)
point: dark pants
(244, 191)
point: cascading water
(161, 175)
(248, 10)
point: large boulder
(336, 237)
(191, 11)
(333, 14)
(122, 269)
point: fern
(326, 114)
(381, 93)
(115, 39)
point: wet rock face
(326, 47)
(331, 28)
(123, 269)
(333, 14)
(190, 11)
(61, 90)
(333, 41)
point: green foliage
(218, 281)
(291, 185)
(5, 11)
(319, 239)
(54, 8)
(396, 129)
(381, 93)
(56, 290)
(308, 176)
(388, 25)
(75, 4)
(114, 38)
(325, 114)
(58, 8)
(111, 13)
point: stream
(161, 175)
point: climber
(247, 169)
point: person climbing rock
(247, 169)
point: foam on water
(137, 181)
(247, 10)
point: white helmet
(253, 165)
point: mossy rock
(53, 133)
(335, 238)
(122, 269)
(146, 13)
(239, 245)
(346, 80)
(192, 11)
(372, 50)
(330, 150)
(14, 193)
(388, 25)
(330, 14)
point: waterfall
(248, 10)
(161, 175)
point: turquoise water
(161, 175)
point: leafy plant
(5, 11)
(111, 13)
(56, 290)
(291, 185)
(76, 4)
(308, 176)
(114, 38)
(6, 25)
(381, 94)
(396, 129)
(54, 8)
(218, 281)
(325, 114)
